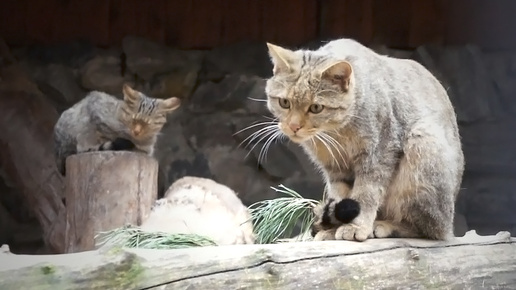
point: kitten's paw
(325, 235)
(382, 229)
(353, 232)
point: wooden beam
(471, 261)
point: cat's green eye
(316, 108)
(284, 103)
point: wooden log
(106, 190)
(469, 262)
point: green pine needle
(276, 218)
(273, 220)
(133, 237)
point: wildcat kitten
(195, 205)
(103, 122)
(382, 131)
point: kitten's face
(145, 116)
(309, 94)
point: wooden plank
(175, 12)
(468, 262)
(348, 18)
(241, 22)
(427, 23)
(292, 22)
(204, 24)
(73, 20)
(489, 24)
(38, 23)
(13, 14)
(139, 18)
(391, 21)
(195, 23)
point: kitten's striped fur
(382, 131)
(103, 122)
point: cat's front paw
(355, 231)
(325, 235)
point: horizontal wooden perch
(467, 262)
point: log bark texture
(106, 190)
(469, 262)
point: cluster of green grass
(276, 219)
(273, 221)
(133, 237)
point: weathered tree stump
(106, 190)
(469, 262)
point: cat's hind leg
(388, 229)
(87, 141)
(420, 201)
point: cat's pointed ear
(131, 96)
(170, 104)
(338, 73)
(281, 58)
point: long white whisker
(327, 91)
(257, 100)
(257, 134)
(252, 126)
(323, 141)
(313, 142)
(265, 135)
(270, 118)
(335, 141)
(280, 137)
(355, 116)
(263, 152)
(335, 145)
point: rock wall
(223, 93)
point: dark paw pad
(346, 210)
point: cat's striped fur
(103, 122)
(382, 131)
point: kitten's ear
(170, 104)
(131, 96)
(338, 73)
(281, 58)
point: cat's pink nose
(294, 127)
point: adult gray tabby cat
(103, 122)
(382, 131)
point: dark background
(212, 54)
(198, 24)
